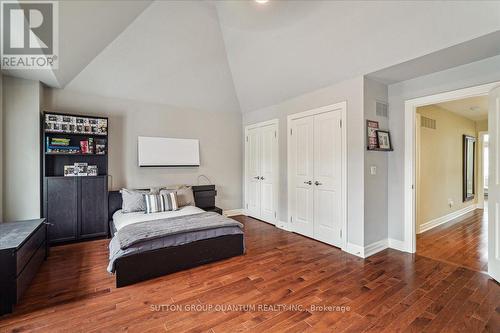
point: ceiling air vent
(381, 109)
(427, 122)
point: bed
(145, 246)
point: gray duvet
(155, 234)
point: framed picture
(384, 140)
(70, 171)
(372, 127)
(92, 170)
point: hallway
(462, 241)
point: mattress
(121, 219)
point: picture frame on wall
(372, 127)
(384, 140)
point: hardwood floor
(389, 292)
(462, 241)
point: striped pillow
(155, 203)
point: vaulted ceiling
(85, 29)
(241, 55)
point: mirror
(469, 152)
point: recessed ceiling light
(262, 1)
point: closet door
(301, 177)
(269, 173)
(253, 171)
(328, 177)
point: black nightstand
(214, 209)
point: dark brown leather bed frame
(147, 265)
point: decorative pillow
(155, 203)
(185, 195)
(132, 200)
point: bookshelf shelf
(76, 154)
(75, 133)
(77, 145)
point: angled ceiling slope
(85, 29)
(286, 48)
(476, 49)
(172, 54)
(239, 55)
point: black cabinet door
(94, 210)
(61, 208)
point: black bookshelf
(53, 162)
(75, 206)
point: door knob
(256, 177)
(261, 178)
(308, 183)
(317, 183)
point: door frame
(480, 169)
(411, 105)
(277, 168)
(342, 106)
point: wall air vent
(427, 122)
(381, 109)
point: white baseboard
(443, 219)
(355, 249)
(375, 247)
(371, 249)
(397, 244)
(234, 212)
(366, 251)
(284, 225)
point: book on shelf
(60, 142)
(100, 147)
(91, 145)
(84, 146)
(63, 149)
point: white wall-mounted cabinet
(261, 171)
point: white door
(302, 173)
(253, 170)
(328, 178)
(269, 173)
(494, 186)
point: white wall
(376, 195)
(440, 174)
(473, 74)
(219, 134)
(352, 92)
(21, 149)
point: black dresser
(23, 248)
